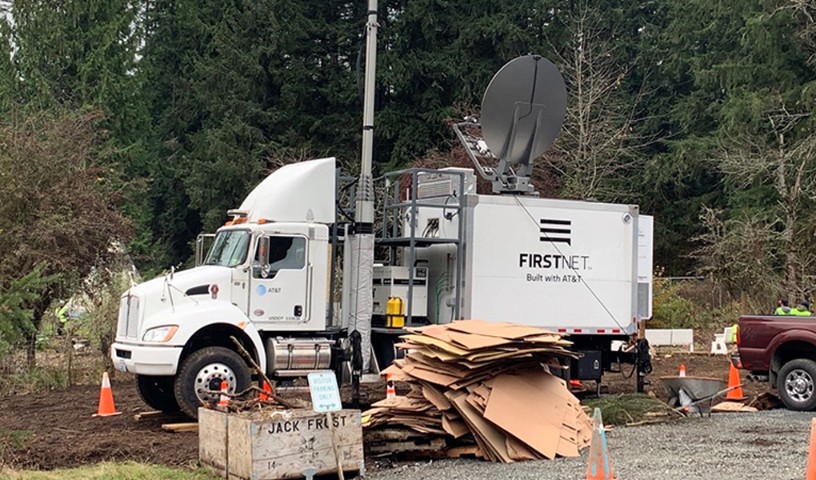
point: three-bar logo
(555, 231)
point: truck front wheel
(201, 374)
(796, 384)
(157, 392)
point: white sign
(325, 394)
(578, 256)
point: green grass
(15, 437)
(35, 380)
(112, 471)
(630, 408)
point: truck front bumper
(143, 360)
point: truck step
(756, 378)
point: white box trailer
(564, 265)
(574, 267)
(570, 266)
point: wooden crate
(280, 444)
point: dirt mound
(56, 429)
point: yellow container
(394, 313)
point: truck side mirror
(263, 250)
(202, 245)
(263, 257)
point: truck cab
(782, 351)
(265, 283)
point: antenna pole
(364, 212)
(361, 241)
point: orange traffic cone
(599, 467)
(106, 408)
(267, 392)
(682, 370)
(734, 381)
(810, 472)
(390, 391)
(223, 400)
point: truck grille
(128, 324)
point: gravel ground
(766, 445)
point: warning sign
(325, 394)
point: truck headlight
(160, 334)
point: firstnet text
(537, 260)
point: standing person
(802, 310)
(782, 307)
(62, 316)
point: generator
(393, 282)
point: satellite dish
(522, 112)
(523, 109)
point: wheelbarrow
(694, 394)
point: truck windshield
(229, 248)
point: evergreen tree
(232, 85)
(726, 74)
(76, 53)
(436, 60)
(16, 299)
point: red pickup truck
(782, 351)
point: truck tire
(796, 384)
(203, 371)
(157, 392)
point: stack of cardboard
(490, 381)
(413, 411)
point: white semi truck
(445, 252)
(565, 265)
